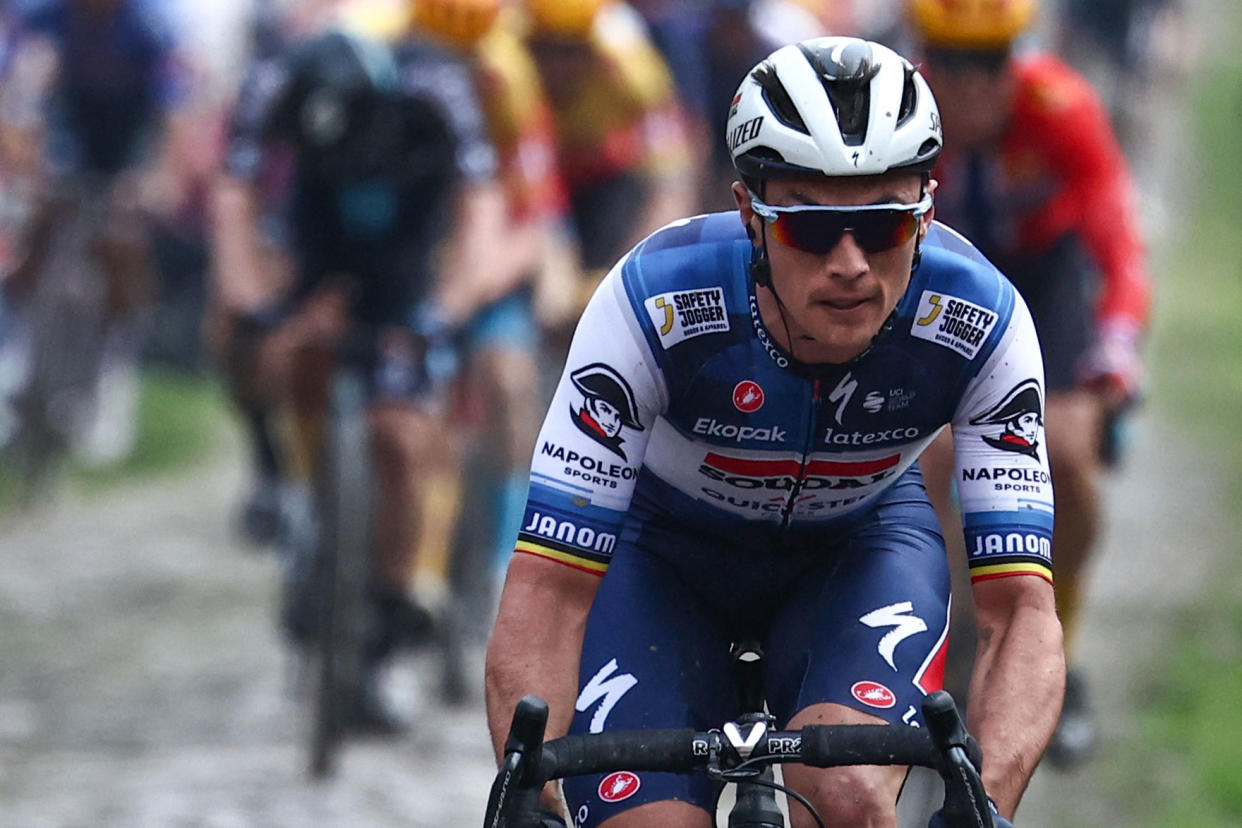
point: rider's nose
(847, 260)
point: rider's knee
(401, 435)
(855, 796)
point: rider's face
(833, 303)
(975, 102)
(606, 415)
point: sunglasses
(813, 228)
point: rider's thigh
(665, 814)
(855, 796)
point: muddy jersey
(678, 408)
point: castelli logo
(747, 397)
(874, 694)
(618, 786)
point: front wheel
(345, 506)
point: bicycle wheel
(68, 323)
(346, 520)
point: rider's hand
(547, 819)
(1112, 366)
(937, 821)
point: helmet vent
(777, 97)
(909, 97)
(846, 74)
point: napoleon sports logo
(607, 406)
(1020, 416)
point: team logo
(618, 786)
(873, 694)
(1020, 415)
(747, 397)
(608, 406)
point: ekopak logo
(874, 694)
(747, 397)
(618, 786)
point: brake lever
(964, 795)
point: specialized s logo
(608, 406)
(843, 393)
(1020, 415)
(953, 323)
(607, 690)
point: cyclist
(502, 338)
(1033, 175)
(732, 448)
(389, 161)
(90, 91)
(621, 135)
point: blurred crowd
(238, 170)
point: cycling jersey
(117, 74)
(623, 114)
(520, 124)
(1058, 172)
(677, 408)
(371, 173)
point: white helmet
(834, 106)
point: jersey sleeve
(265, 87)
(1002, 459)
(1097, 198)
(594, 437)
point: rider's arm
(1007, 508)
(1097, 202)
(1018, 680)
(582, 478)
(537, 641)
(1096, 199)
(237, 267)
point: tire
(68, 323)
(345, 506)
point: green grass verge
(179, 420)
(1183, 765)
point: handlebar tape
(649, 750)
(828, 746)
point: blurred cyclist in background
(1034, 176)
(1128, 49)
(709, 46)
(87, 100)
(393, 211)
(502, 340)
(621, 131)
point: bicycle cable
(733, 775)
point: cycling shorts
(1060, 286)
(861, 621)
(508, 324)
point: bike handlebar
(944, 746)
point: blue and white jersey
(677, 406)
